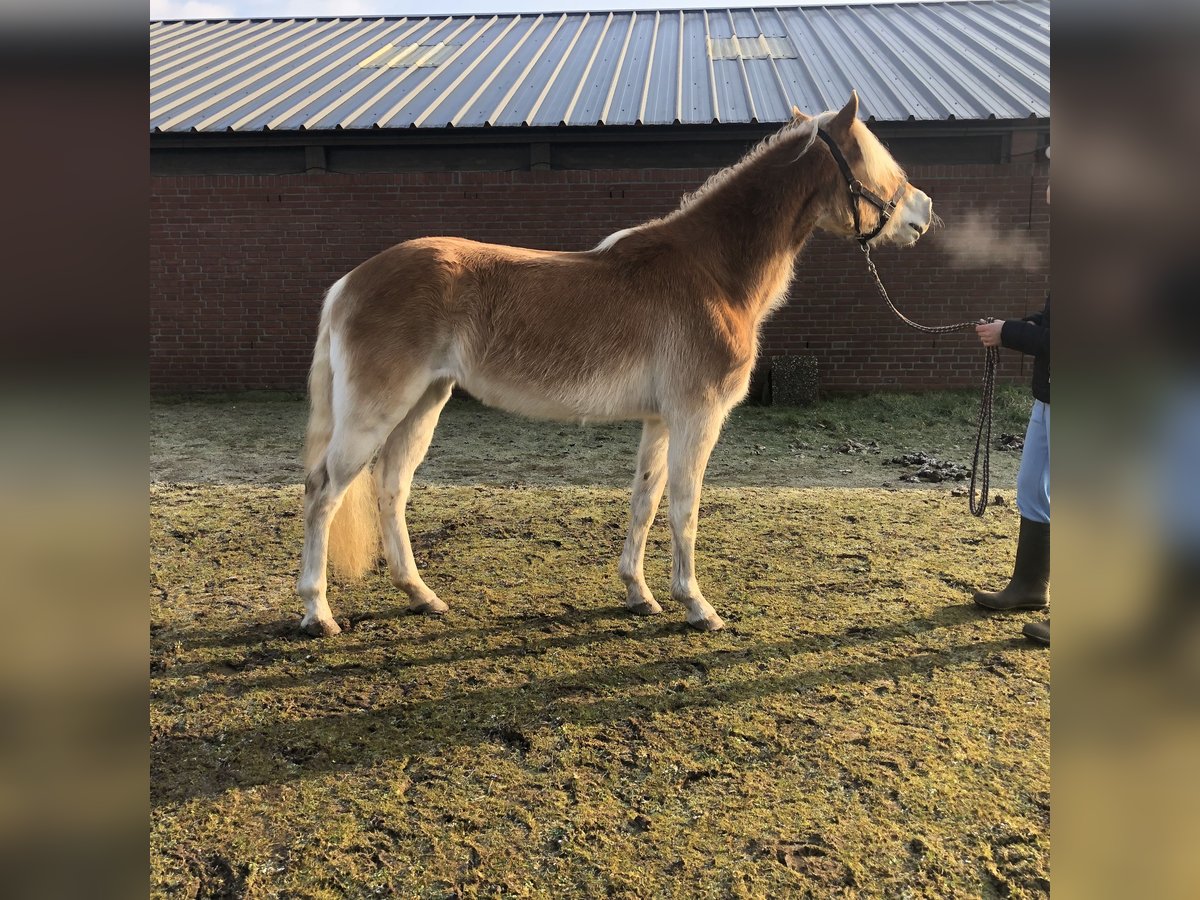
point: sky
(225, 9)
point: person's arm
(1026, 336)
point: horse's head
(872, 199)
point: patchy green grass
(257, 440)
(858, 729)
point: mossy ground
(256, 440)
(858, 729)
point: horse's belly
(620, 397)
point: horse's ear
(846, 116)
(798, 116)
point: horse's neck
(748, 229)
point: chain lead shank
(983, 433)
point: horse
(659, 322)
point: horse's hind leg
(349, 451)
(401, 454)
(358, 432)
(648, 486)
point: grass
(257, 440)
(858, 729)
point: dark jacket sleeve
(1026, 335)
(1031, 335)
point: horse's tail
(354, 531)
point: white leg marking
(648, 486)
(350, 450)
(399, 459)
(323, 493)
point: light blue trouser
(1033, 480)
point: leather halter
(857, 189)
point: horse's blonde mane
(805, 130)
(882, 171)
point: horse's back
(594, 334)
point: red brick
(239, 265)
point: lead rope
(983, 434)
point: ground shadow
(656, 627)
(185, 766)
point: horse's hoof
(645, 608)
(432, 606)
(320, 627)
(711, 622)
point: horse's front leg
(648, 486)
(691, 443)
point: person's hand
(989, 333)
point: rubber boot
(1038, 632)
(1028, 587)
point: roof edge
(597, 10)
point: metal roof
(925, 61)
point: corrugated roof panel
(506, 98)
(927, 61)
(272, 80)
(1019, 62)
(565, 82)
(744, 23)
(872, 62)
(770, 99)
(921, 92)
(1026, 52)
(165, 35)
(430, 90)
(201, 44)
(169, 44)
(848, 68)
(796, 76)
(1034, 15)
(988, 91)
(269, 99)
(219, 54)
(696, 84)
(732, 91)
(953, 87)
(827, 76)
(607, 55)
(657, 105)
(159, 30)
(623, 102)
(229, 99)
(317, 91)
(442, 100)
(187, 91)
(365, 90)
(518, 104)
(623, 93)
(207, 50)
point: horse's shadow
(288, 632)
(289, 628)
(186, 765)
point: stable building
(285, 152)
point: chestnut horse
(659, 322)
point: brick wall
(239, 264)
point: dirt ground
(858, 729)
